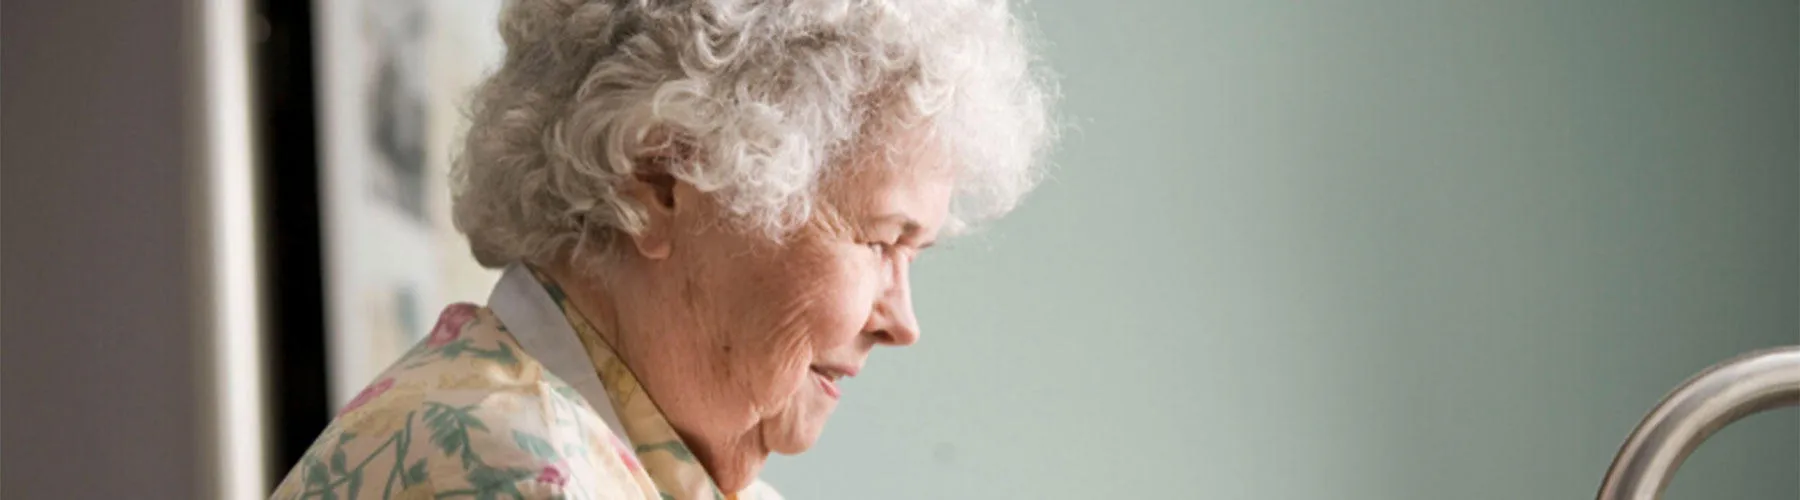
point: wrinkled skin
(737, 338)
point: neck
(596, 305)
(731, 460)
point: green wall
(1380, 249)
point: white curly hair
(765, 99)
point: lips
(828, 377)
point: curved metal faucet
(1713, 399)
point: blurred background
(1386, 249)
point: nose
(893, 322)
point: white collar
(537, 322)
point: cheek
(783, 310)
(842, 300)
(814, 304)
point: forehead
(905, 178)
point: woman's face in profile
(782, 324)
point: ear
(653, 187)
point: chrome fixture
(1715, 398)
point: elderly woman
(707, 212)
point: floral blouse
(467, 413)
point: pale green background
(1380, 249)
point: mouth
(828, 376)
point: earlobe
(652, 245)
(655, 191)
(652, 240)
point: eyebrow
(908, 226)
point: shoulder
(466, 412)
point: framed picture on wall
(394, 76)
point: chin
(798, 427)
(791, 443)
(793, 436)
